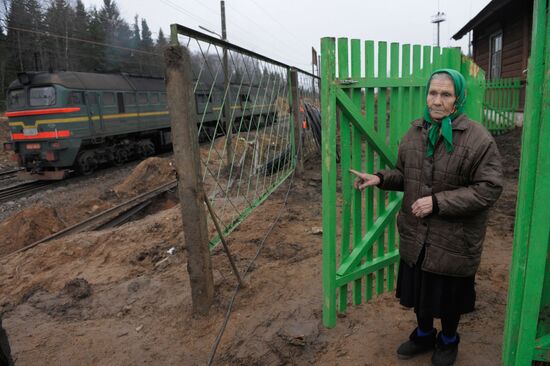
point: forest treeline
(40, 35)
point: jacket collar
(460, 122)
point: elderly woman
(450, 171)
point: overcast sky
(286, 30)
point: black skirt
(432, 294)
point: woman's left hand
(423, 206)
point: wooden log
(181, 105)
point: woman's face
(441, 98)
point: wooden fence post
(181, 105)
(297, 118)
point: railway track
(109, 218)
(6, 174)
(21, 189)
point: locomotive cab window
(16, 98)
(42, 96)
(108, 99)
(142, 98)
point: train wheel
(121, 156)
(146, 149)
(86, 162)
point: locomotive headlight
(32, 146)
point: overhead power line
(49, 34)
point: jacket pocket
(442, 261)
(448, 235)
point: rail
(21, 189)
(108, 218)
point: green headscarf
(446, 123)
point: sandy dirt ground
(116, 297)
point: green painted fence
(369, 96)
(500, 105)
(527, 329)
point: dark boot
(5, 352)
(445, 354)
(416, 345)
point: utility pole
(226, 108)
(438, 19)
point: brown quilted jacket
(465, 183)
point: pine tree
(82, 60)
(58, 20)
(96, 34)
(146, 36)
(161, 42)
(35, 45)
(136, 37)
(117, 33)
(23, 47)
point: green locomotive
(62, 122)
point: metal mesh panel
(308, 90)
(244, 125)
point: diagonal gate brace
(360, 122)
(372, 235)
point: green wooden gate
(365, 112)
(527, 329)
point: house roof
(483, 15)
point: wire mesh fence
(311, 118)
(244, 122)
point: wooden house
(501, 40)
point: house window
(495, 63)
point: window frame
(24, 99)
(139, 100)
(154, 98)
(495, 72)
(127, 102)
(71, 94)
(112, 101)
(42, 87)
